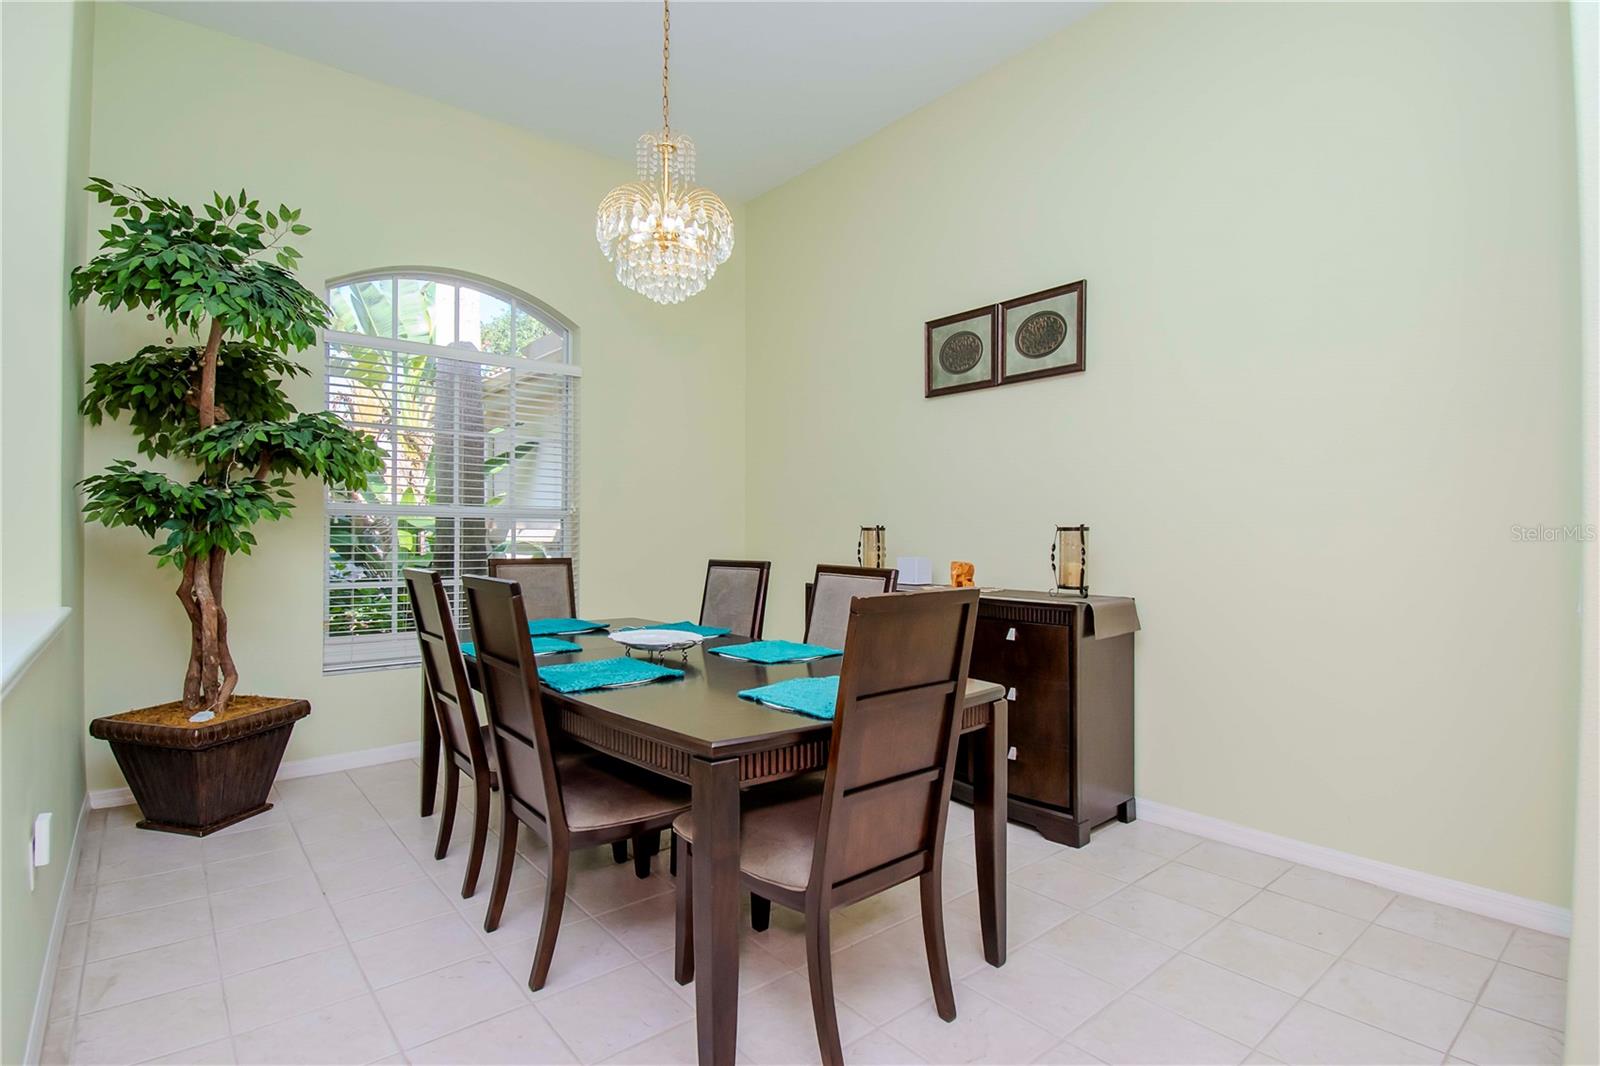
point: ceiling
(766, 90)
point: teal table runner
(776, 651)
(551, 627)
(684, 627)
(541, 646)
(810, 696)
(604, 673)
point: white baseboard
(320, 764)
(1518, 910)
(52, 951)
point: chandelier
(666, 235)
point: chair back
(547, 589)
(444, 674)
(509, 682)
(895, 727)
(735, 596)
(828, 605)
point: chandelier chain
(666, 53)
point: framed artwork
(1041, 334)
(959, 352)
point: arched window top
(444, 310)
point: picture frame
(959, 352)
(1042, 333)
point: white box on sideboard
(914, 570)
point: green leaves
(187, 520)
(187, 267)
(156, 389)
(193, 267)
(312, 445)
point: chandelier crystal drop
(666, 235)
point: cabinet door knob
(1011, 693)
(1011, 752)
(1011, 634)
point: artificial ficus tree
(221, 273)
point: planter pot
(195, 778)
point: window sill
(23, 636)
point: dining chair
(547, 586)
(877, 817)
(463, 740)
(573, 798)
(548, 591)
(735, 596)
(828, 602)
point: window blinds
(480, 450)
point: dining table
(698, 730)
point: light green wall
(45, 102)
(1332, 359)
(386, 178)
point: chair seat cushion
(599, 792)
(777, 831)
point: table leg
(989, 816)
(430, 751)
(715, 794)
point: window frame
(400, 635)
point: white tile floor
(324, 932)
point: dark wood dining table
(699, 731)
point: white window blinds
(472, 397)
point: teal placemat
(550, 627)
(685, 627)
(810, 696)
(604, 673)
(776, 651)
(541, 646)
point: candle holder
(870, 549)
(1069, 560)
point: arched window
(471, 392)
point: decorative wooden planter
(198, 777)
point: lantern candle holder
(871, 549)
(1069, 559)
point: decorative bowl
(656, 641)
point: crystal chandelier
(666, 236)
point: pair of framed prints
(1035, 336)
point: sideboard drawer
(1012, 652)
(1032, 659)
(1041, 735)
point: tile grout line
(1477, 1000)
(1343, 957)
(83, 963)
(344, 937)
(216, 953)
(522, 985)
(1337, 958)
(1259, 889)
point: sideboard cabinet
(1067, 665)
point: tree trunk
(210, 679)
(210, 657)
(230, 673)
(208, 376)
(191, 678)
